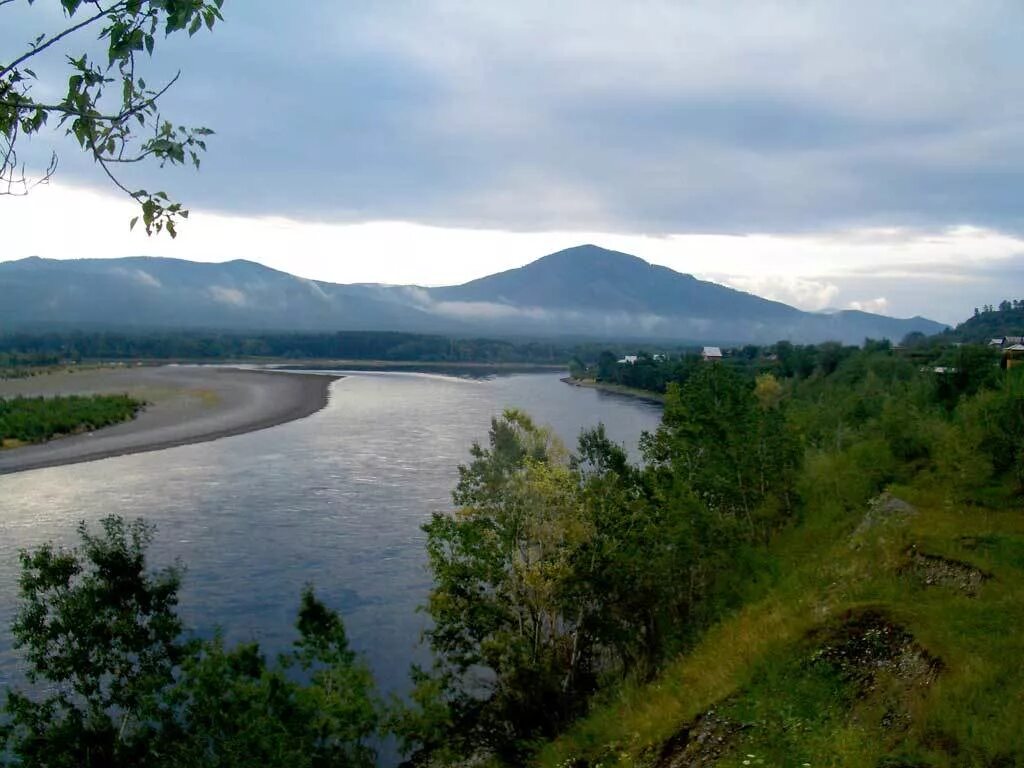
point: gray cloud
(651, 117)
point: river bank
(185, 405)
(617, 389)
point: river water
(335, 500)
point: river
(336, 500)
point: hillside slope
(985, 326)
(893, 638)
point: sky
(827, 154)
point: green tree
(728, 442)
(507, 635)
(117, 683)
(107, 107)
(607, 366)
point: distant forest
(61, 347)
(55, 348)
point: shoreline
(186, 405)
(616, 389)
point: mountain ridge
(581, 291)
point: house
(1013, 356)
(628, 360)
(711, 353)
(658, 358)
(1004, 342)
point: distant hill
(989, 325)
(155, 293)
(585, 291)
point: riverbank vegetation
(819, 559)
(120, 683)
(37, 419)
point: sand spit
(187, 404)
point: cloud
(231, 296)
(878, 306)
(800, 292)
(140, 276)
(653, 118)
(572, 320)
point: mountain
(154, 293)
(584, 291)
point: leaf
(134, 221)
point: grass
(754, 669)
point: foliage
(563, 585)
(35, 419)
(117, 683)
(877, 418)
(557, 576)
(50, 348)
(1006, 319)
(107, 107)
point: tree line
(63, 347)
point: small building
(1013, 356)
(1005, 342)
(711, 353)
(628, 360)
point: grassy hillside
(893, 637)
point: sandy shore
(186, 404)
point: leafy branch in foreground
(107, 107)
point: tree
(607, 366)
(729, 444)
(117, 682)
(511, 656)
(107, 107)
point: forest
(47, 349)
(571, 586)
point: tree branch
(56, 38)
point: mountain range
(584, 291)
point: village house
(1006, 342)
(1013, 356)
(628, 360)
(711, 353)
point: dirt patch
(865, 644)
(885, 508)
(938, 571)
(700, 744)
(882, 667)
